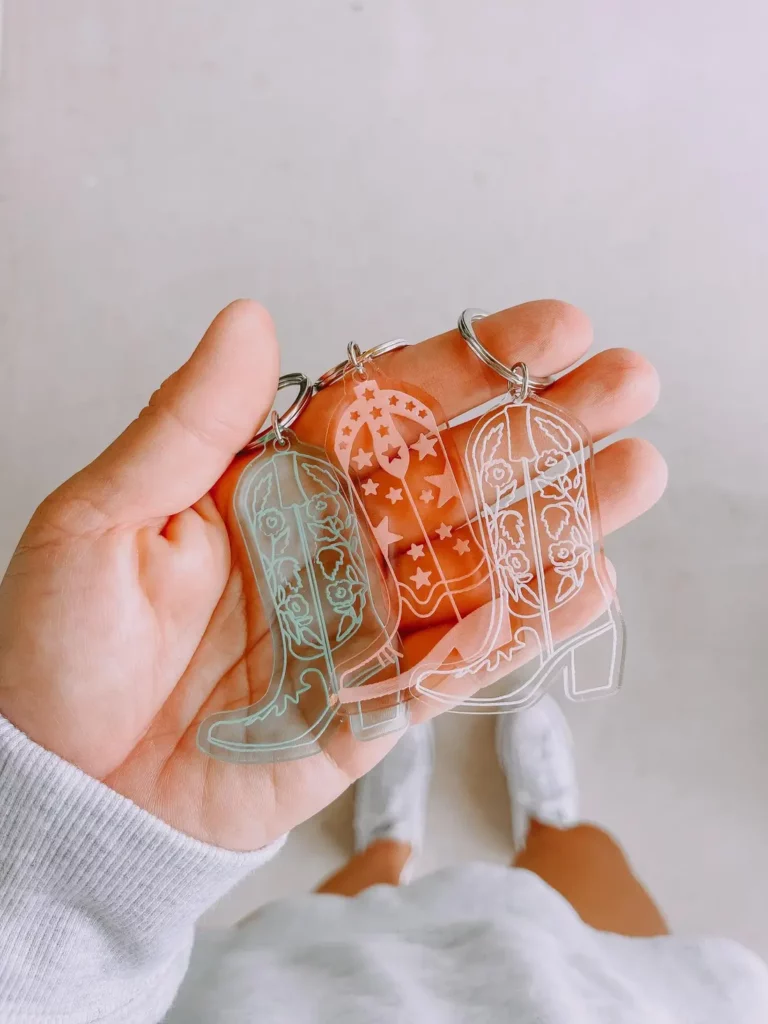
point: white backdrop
(367, 169)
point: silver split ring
(520, 381)
(279, 423)
(355, 362)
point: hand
(122, 614)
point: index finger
(547, 335)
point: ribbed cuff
(98, 898)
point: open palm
(125, 617)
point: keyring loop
(277, 430)
(354, 356)
(517, 376)
(277, 423)
(519, 390)
(356, 362)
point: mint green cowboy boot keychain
(323, 596)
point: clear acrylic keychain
(390, 565)
(535, 507)
(391, 441)
(322, 596)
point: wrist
(98, 898)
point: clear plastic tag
(534, 501)
(327, 605)
(391, 441)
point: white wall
(368, 168)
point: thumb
(193, 426)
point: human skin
(123, 618)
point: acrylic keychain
(322, 594)
(531, 468)
(390, 440)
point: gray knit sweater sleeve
(98, 899)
